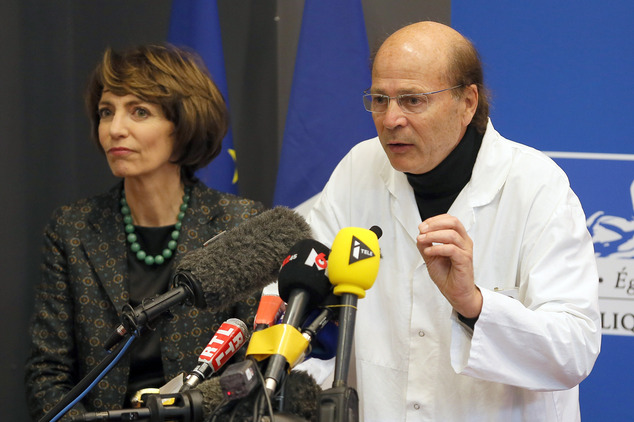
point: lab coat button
(421, 333)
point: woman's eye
(141, 112)
(103, 113)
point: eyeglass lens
(409, 103)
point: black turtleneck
(436, 190)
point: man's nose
(394, 115)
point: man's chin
(399, 165)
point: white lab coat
(523, 362)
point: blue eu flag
(325, 114)
(195, 24)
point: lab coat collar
(489, 173)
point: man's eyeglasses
(409, 103)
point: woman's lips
(119, 151)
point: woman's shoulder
(225, 202)
(86, 208)
(222, 210)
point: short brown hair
(465, 68)
(178, 81)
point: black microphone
(303, 284)
(321, 329)
(299, 402)
(323, 325)
(186, 407)
(231, 267)
(300, 396)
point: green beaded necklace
(133, 239)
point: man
(486, 303)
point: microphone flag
(230, 337)
(195, 24)
(325, 113)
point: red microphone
(269, 311)
(231, 335)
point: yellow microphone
(353, 265)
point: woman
(157, 117)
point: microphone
(353, 265)
(213, 397)
(248, 256)
(299, 401)
(270, 310)
(188, 406)
(232, 266)
(302, 280)
(230, 337)
(322, 325)
(321, 329)
(239, 379)
(352, 268)
(303, 284)
(301, 393)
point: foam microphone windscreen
(305, 269)
(212, 395)
(301, 396)
(243, 260)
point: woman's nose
(118, 126)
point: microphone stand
(353, 265)
(341, 402)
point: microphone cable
(263, 395)
(259, 396)
(96, 374)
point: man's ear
(470, 99)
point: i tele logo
(359, 251)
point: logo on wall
(605, 187)
(613, 236)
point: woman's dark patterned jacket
(85, 286)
